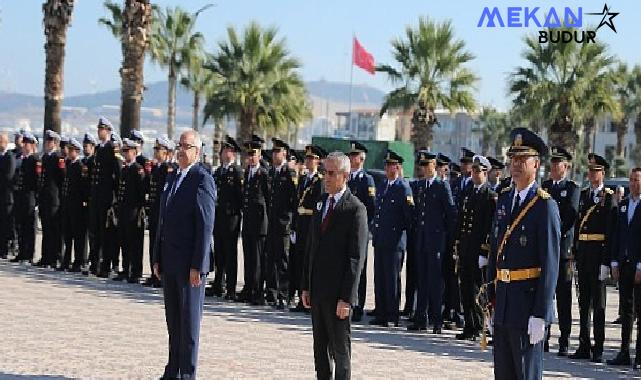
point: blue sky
(318, 33)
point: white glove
(604, 272)
(482, 262)
(536, 329)
(292, 237)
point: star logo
(606, 18)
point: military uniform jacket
(131, 193)
(626, 239)
(283, 199)
(308, 193)
(435, 215)
(75, 187)
(26, 183)
(52, 174)
(457, 187)
(105, 175)
(256, 202)
(596, 217)
(393, 217)
(566, 194)
(229, 203)
(533, 243)
(142, 160)
(154, 185)
(363, 187)
(7, 171)
(475, 223)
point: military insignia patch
(564, 193)
(624, 208)
(410, 200)
(371, 191)
(319, 206)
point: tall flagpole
(351, 84)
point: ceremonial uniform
(24, 193)
(523, 268)
(155, 183)
(50, 180)
(75, 198)
(566, 194)
(7, 171)
(410, 259)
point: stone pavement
(66, 326)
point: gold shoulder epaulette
(505, 190)
(542, 193)
(608, 191)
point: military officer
(256, 207)
(49, 184)
(393, 217)
(87, 162)
(283, 202)
(130, 202)
(361, 184)
(74, 201)
(472, 243)
(596, 213)
(104, 178)
(137, 137)
(443, 166)
(494, 175)
(155, 184)
(455, 171)
(7, 171)
(566, 194)
(524, 263)
(229, 203)
(24, 193)
(309, 190)
(458, 184)
(626, 269)
(435, 217)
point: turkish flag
(362, 58)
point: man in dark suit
(24, 193)
(524, 263)
(7, 169)
(566, 194)
(434, 218)
(181, 253)
(336, 249)
(626, 268)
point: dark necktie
(328, 214)
(516, 206)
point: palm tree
(257, 82)
(57, 17)
(554, 84)
(635, 108)
(495, 131)
(198, 80)
(432, 74)
(173, 42)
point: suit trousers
(25, 219)
(75, 236)
(332, 341)
(591, 301)
(514, 356)
(277, 263)
(131, 241)
(51, 234)
(226, 257)
(630, 299)
(183, 313)
(5, 228)
(470, 276)
(430, 286)
(387, 263)
(253, 264)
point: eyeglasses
(185, 146)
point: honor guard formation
(487, 249)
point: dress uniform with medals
(155, 184)
(130, 202)
(498, 167)
(473, 245)
(137, 137)
(88, 163)
(283, 202)
(393, 217)
(229, 204)
(24, 193)
(74, 199)
(309, 190)
(256, 206)
(50, 180)
(435, 218)
(7, 171)
(523, 268)
(361, 184)
(597, 211)
(566, 194)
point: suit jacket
(186, 223)
(534, 243)
(566, 194)
(626, 242)
(334, 258)
(7, 170)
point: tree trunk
(622, 129)
(589, 129)
(171, 101)
(194, 117)
(217, 138)
(562, 134)
(136, 20)
(636, 153)
(57, 17)
(247, 126)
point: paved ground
(67, 326)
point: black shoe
(405, 312)
(616, 321)
(62, 268)
(157, 284)
(597, 357)
(546, 346)
(102, 274)
(622, 358)
(357, 316)
(437, 330)
(133, 280)
(149, 281)
(458, 321)
(465, 335)
(299, 308)
(122, 276)
(448, 326)
(230, 296)
(280, 305)
(258, 302)
(75, 269)
(417, 327)
(371, 313)
(209, 292)
(40, 264)
(637, 365)
(15, 260)
(563, 350)
(581, 353)
(379, 322)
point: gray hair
(341, 160)
(197, 140)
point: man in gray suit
(334, 256)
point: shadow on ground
(381, 338)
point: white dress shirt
(522, 195)
(337, 197)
